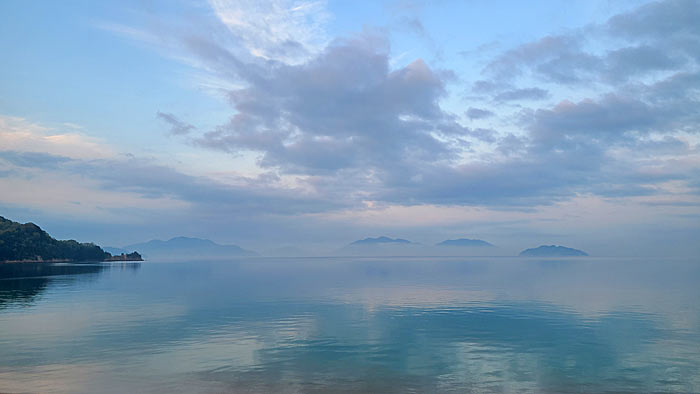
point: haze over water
(352, 325)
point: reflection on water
(21, 291)
(22, 283)
(355, 325)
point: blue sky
(315, 123)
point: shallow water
(352, 325)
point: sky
(315, 123)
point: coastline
(118, 258)
(36, 261)
(109, 260)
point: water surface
(352, 325)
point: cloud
(658, 20)
(627, 62)
(19, 134)
(522, 94)
(656, 37)
(78, 169)
(33, 159)
(344, 109)
(149, 180)
(478, 113)
(284, 30)
(606, 119)
(177, 126)
(348, 125)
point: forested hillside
(29, 242)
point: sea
(352, 325)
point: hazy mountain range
(465, 242)
(184, 247)
(29, 242)
(552, 251)
(386, 246)
(381, 240)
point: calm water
(352, 326)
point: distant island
(465, 242)
(185, 247)
(552, 251)
(387, 246)
(381, 246)
(29, 243)
(133, 256)
(381, 240)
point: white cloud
(19, 134)
(284, 30)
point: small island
(133, 256)
(381, 240)
(465, 242)
(552, 251)
(380, 246)
(28, 243)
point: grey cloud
(667, 145)
(357, 130)
(485, 135)
(659, 36)
(152, 180)
(343, 109)
(550, 47)
(177, 126)
(487, 86)
(606, 119)
(629, 61)
(570, 68)
(33, 159)
(522, 94)
(511, 145)
(288, 49)
(667, 203)
(678, 87)
(478, 113)
(658, 20)
(625, 190)
(531, 181)
(566, 152)
(554, 58)
(519, 182)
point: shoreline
(67, 261)
(112, 260)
